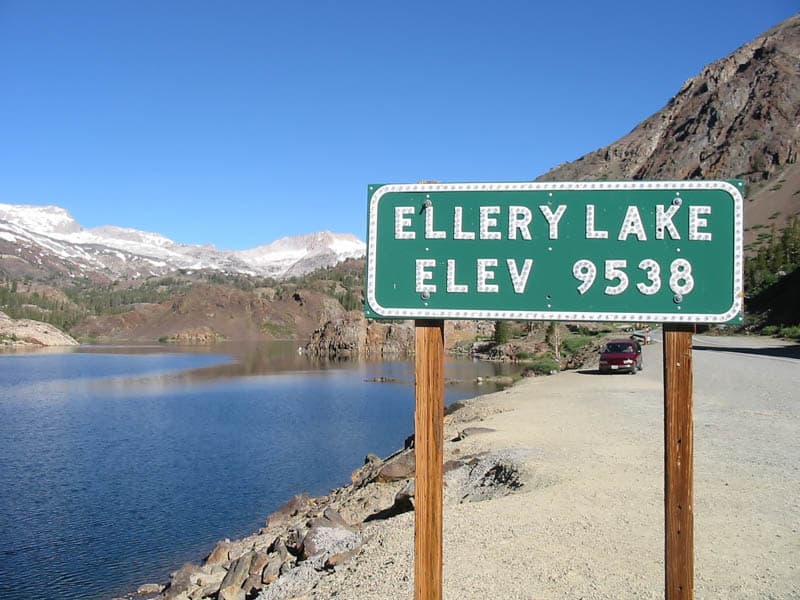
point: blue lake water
(120, 464)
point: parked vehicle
(621, 356)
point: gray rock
(293, 584)
(493, 474)
(328, 540)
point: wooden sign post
(678, 463)
(429, 453)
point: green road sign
(668, 251)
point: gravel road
(588, 523)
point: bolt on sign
(659, 251)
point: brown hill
(205, 313)
(739, 118)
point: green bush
(543, 364)
(573, 343)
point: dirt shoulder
(588, 521)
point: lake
(119, 464)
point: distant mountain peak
(38, 238)
(46, 220)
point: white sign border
(444, 313)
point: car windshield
(618, 348)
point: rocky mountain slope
(738, 118)
(38, 241)
(26, 332)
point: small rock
(332, 515)
(335, 560)
(294, 540)
(470, 431)
(452, 465)
(149, 588)
(404, 499)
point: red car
(621, 356)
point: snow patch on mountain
(125, 252)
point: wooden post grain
(429, 449)
(678, 463)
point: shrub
(792, 332)
(573, 343)
(543, 364)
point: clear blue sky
(235, 123)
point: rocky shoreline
(307, 539)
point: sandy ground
(588, 522)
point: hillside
(190, 308)
(738, 119)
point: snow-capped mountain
(35, 238)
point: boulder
(260, 560)
(231, 586)
(291, 508)
(402, 466)
(220, 554)
(330, 518)
(180, 582)
(366, 473)
(328, 540)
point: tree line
(774, 259)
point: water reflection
(257, 359)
